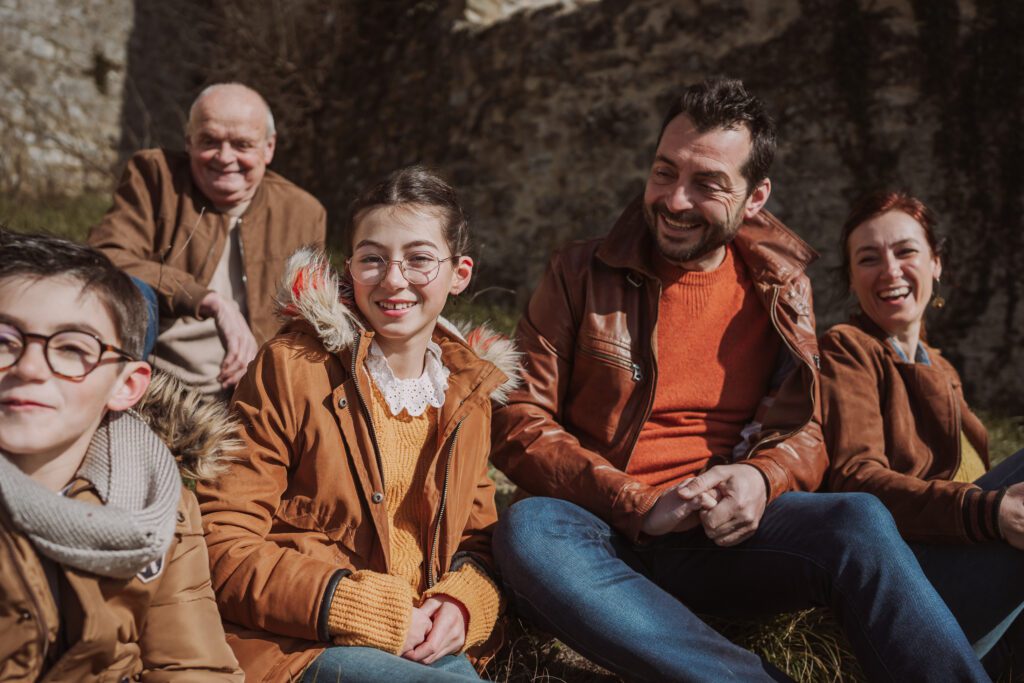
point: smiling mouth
(681, 225)
(894, 293)
(20, 404)
(396, 305)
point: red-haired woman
(896, 425)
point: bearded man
(668, 425)
(205, 234)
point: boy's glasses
(417, 269)
(71, 354)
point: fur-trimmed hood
(200, 434)
(311, 290)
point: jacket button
(377, 497)
(342, 402)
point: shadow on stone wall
(546, 121)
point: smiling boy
(103, 570)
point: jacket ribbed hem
(981, 514)
(371, 610)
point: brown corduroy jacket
(591, 369)
(160, 625)
(893, 428)
(305, 507)
(164, 231)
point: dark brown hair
(877, 203)
(43, 256)
(421, 186)
(725, 103)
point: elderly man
(668, 425)
(209, 231)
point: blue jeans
(628, 607)
(369, 665)
(153, 310)
(984, 584)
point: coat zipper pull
(638, 374)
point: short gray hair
(210, 89)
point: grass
(807, 645)
(69, 217)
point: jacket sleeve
(183, 638)
(260, 584)
(531, 446)
(127, 235)
(787, 447)
(852, 384)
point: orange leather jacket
(590, 372)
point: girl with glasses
(353, 540)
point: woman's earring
(938, 301)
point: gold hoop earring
(938, 301)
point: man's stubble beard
(715, 235)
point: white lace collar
(411, 395)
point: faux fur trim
(200, 434)
(500, 351)
(313, 291)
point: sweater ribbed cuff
(981, 514)
(478, 594)
(371, 610)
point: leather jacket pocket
(605, 379)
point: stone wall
(545, 113)
(61, 85)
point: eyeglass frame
(401, 269)
(45, 339)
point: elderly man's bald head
(230, 140)
(241, 94)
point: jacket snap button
(342, 402)
(377, 497)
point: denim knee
(862, 521)
(530, 521)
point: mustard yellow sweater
(371, 609)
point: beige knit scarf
(137, 480)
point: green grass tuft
(1005, 434)
(69, 217)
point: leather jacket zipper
(431, 579)
(618, 361)
(653, 383)
(775, 323)
(241, 257)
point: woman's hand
(419, 627)
(1011, 516)
(447, 632)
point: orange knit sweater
(716, 354)
(373, 609)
